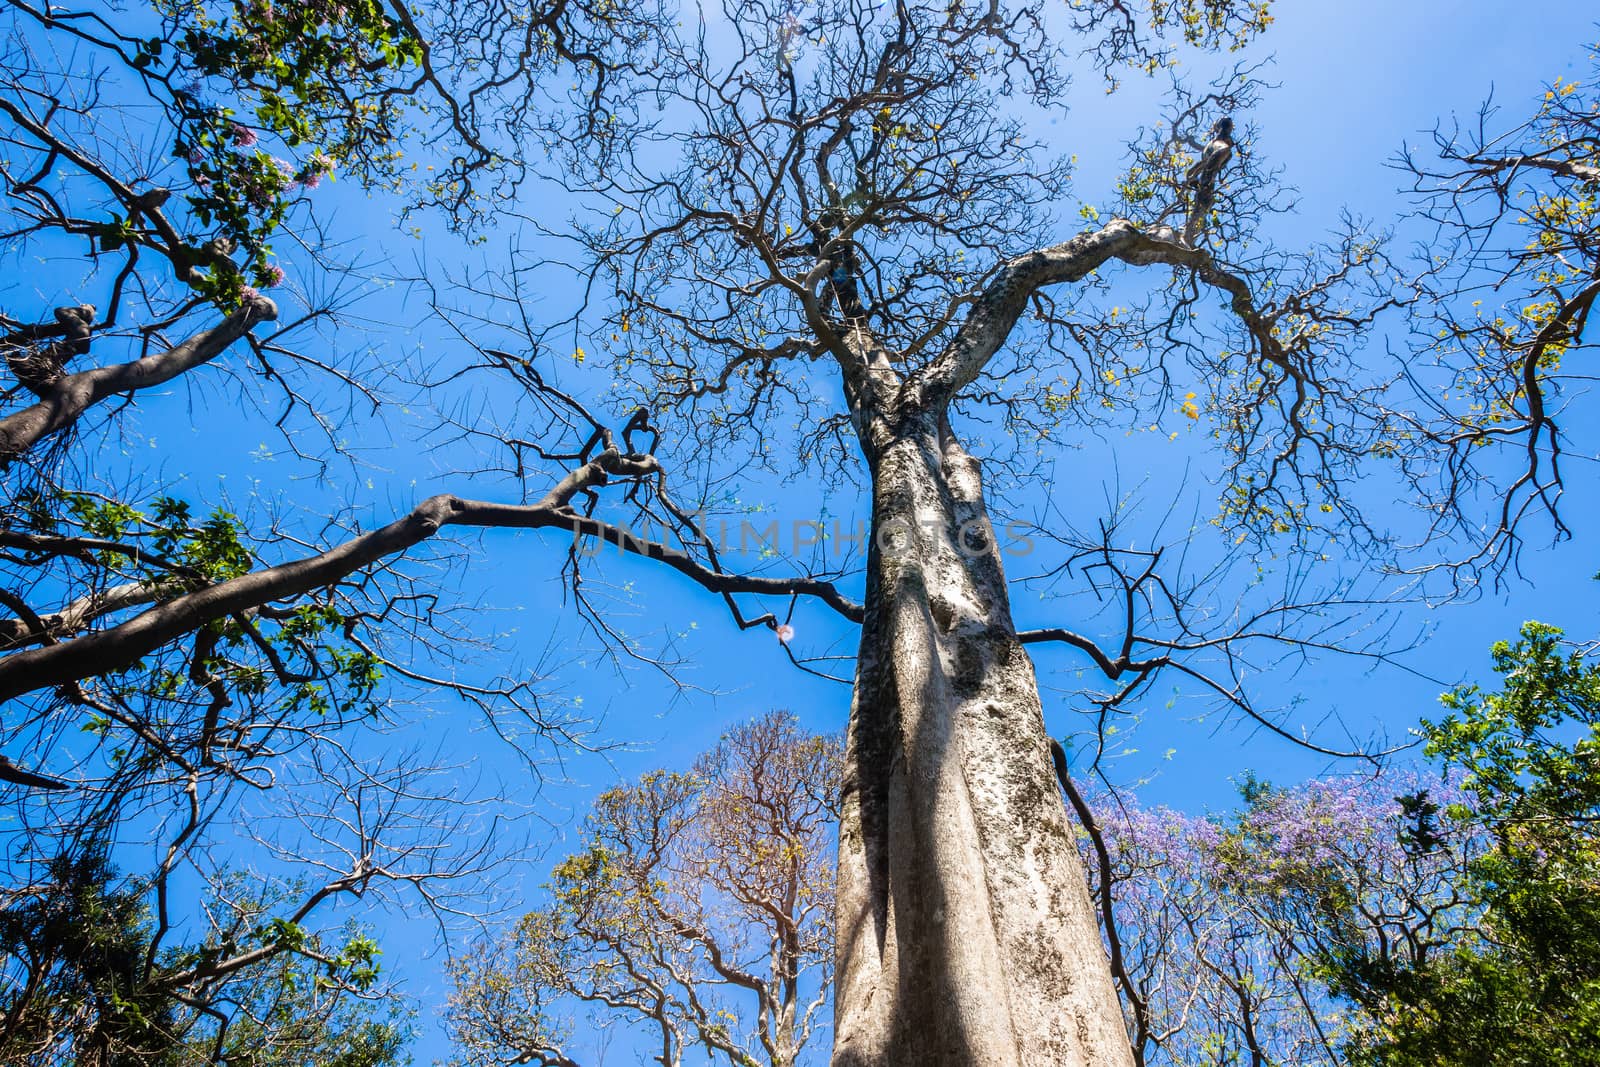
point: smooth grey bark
(966, 935)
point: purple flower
(271, 275)
(248, 293)
(319, 165)
(243, 136)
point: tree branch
(123, 645)
(72, 395)
(995, 313)
(1564, 168)
(1108, 918)
(74, 616)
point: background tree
(699, 909)
(80, 946)
(1523, 979)
(1427, 915)
(1232, 929)
(162, 167)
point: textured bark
(966, 935)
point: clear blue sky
(1357, 77)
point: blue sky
(1357, 80)
(1357, 77)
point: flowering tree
(1417, 916)
(700, 910)
(1234, 934)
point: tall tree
(841, 220)
(843, 190)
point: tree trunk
(965, 930)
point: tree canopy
(695, 256)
